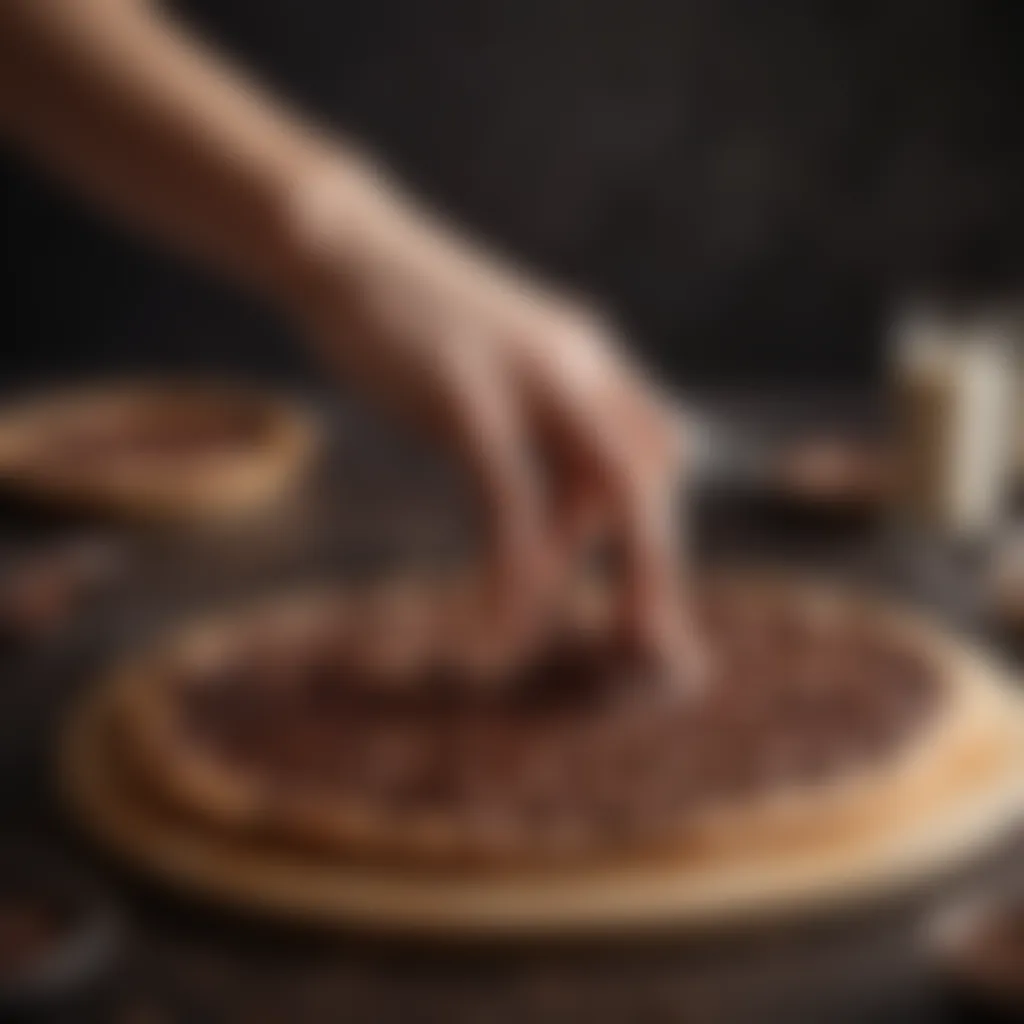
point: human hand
(563, 437)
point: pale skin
(532, 393)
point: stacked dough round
(155, 451)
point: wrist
(338, 216)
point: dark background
(750, 185)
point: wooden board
(635, 896)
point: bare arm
(116, 98)
(123, 103)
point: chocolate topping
(583, 741)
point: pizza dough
(155, 451)
(330, 747)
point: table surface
(192, 963)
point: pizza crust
(218, 797)
(213, 488)
(958, 809)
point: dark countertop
(187, 962)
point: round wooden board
(635, 896)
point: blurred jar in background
(955, 394)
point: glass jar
(954, 377)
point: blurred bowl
(833, 473)
(1006, 583)
(60, 937)
(976, 946)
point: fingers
(489, 435)
(646, 482)
(623, 447)
(616, 471)
(654, 604)
(606, 438)
(649, 562)
(641, 509)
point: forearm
(115, 97)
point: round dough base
(236, 487)
(972, 809)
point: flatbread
(948, 789)
(155, 452)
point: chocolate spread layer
(583, 738)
